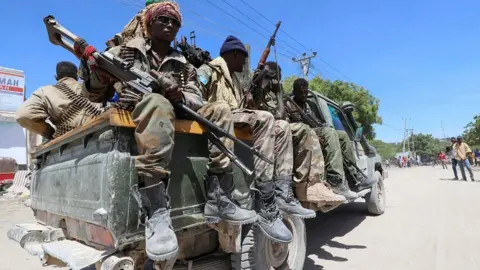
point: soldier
(273, 139)
(154, 117)
(57, 104)
(337, 146)
(308, 162)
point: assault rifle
(194, 55)
(145, 83)
(311, 121)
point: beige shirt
(47, 102)
(462, 150)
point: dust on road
(430, 222)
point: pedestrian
(452, 153)
(443, 160)
(462, 149)
(477, 157)
(387, 163)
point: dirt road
(430, 223)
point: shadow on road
(322, 230)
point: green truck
(87, 217)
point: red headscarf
(167, 9)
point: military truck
(86, 214)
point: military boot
(160, 239)
(364, 182)
(220, 203)
(270, 219)
(286, 200)
(342, 188)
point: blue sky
(420, 58)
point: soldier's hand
(167, 83)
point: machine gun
(145, 83)
(194, 55)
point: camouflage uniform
(220, 86)
(330, 142)
(154, 115)
(49, 102)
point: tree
(426, 145)
(386, 150)
(366, 105)
(471, 134)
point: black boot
(221, 205)
(286, 200)
(364, 182)
(160, 239)
(270, 218)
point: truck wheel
(376, 198)
(258, 252)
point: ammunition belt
(79, 105)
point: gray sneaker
(286, 200)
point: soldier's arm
(33, 113)
(192, 94)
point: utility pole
(305, 63)
(443, 130)
(404, 135)
(411, 137)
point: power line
(240, 21)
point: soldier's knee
(265, 118)
(282, 126)
(222, 108)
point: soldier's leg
(284, 160)
(219, 182)
(262, 126)
(356, 178)
(154, 119)
(334, 162)
(309, 168)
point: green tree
(386, 150)
(425, 144)
(366, 105)
(471, 134)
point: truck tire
(259, 253)
(376, 198)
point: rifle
(145, 83)
(311, 121)
(194, 55)
(257, 80)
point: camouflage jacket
(174, 63)
(48, 102)
(219, 84)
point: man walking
(443, 160)
(452, 153)
(462, 149)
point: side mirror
(358, 134)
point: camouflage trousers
(272, 138)
(154, 118)
(332, 152)
(347, 152)
(220, 114)
(308, 162)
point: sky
(421, 59)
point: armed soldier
(336, 150)
(65, 105)
(154, 117)
(271, 138)
(308, 165)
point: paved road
(430, 223)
